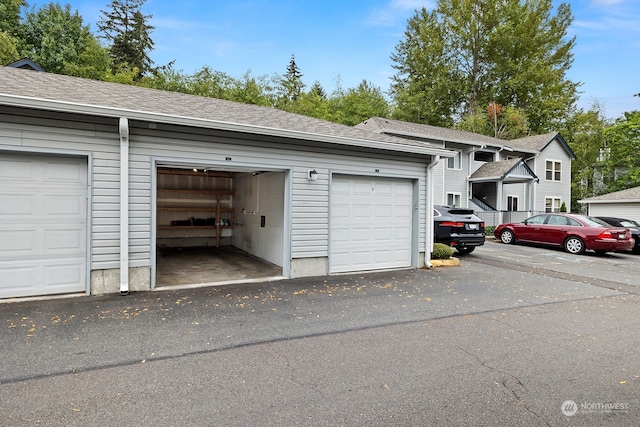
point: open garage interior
(218, 226)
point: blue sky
(353, 39)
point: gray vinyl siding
(562, 189)
(309, 200)
(615, 209)
(65, 137)
(438, 182)
(455, 180)
(310, 214)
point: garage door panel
(63, 172)
(15, 241)
(13, 169)
(371, 222)
(64, 205)
(13, 204)
(44, 225)
(382, 234)
(64, 241)
(63, 275)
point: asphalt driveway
(501, 340)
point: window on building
(453, 199)
(454, 162)
(483, 156)
(512, 203)
(552, 204)
(553, 170)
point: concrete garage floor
(177, 267)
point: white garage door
(43, 221)
(370, 223)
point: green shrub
(441, 251)
(488, 231)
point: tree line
(497, 68)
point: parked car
(626, 223)
(458, 227)
(575, 233)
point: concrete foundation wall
(108, 281)
(309, 267)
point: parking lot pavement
(619, 270)
(478, 344)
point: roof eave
(79, 108)
(389, 131)
(584, 201)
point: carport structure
(114, 174)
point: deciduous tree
(623, 146)
(56, 39)
(584, 131)
(466, 54)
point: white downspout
(124, 205)
(429, 197)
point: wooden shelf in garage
(193, 201)
(199, 192)
(190, 227)
(195, 209)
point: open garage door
(371, 223)
(43, 224)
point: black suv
(458, 227)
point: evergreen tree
(318, 90)
(292, 81)
(128, 32)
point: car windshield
(629, 223)
(535, 219)
(594, 222)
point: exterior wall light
(312, 175)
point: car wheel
(574, 245)
(507, 237)
(465, 250)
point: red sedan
(575, 233)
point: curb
(451, 262)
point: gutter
(124, 205)
(429, 227)
(103, 111)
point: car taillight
(606, 234)
(482, 225)
(452, 224)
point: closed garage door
(43, 221)
(370, 223)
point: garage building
(115, 188)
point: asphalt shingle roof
(628, 194)
(529, 144)
(85, 92)
(380, 124)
